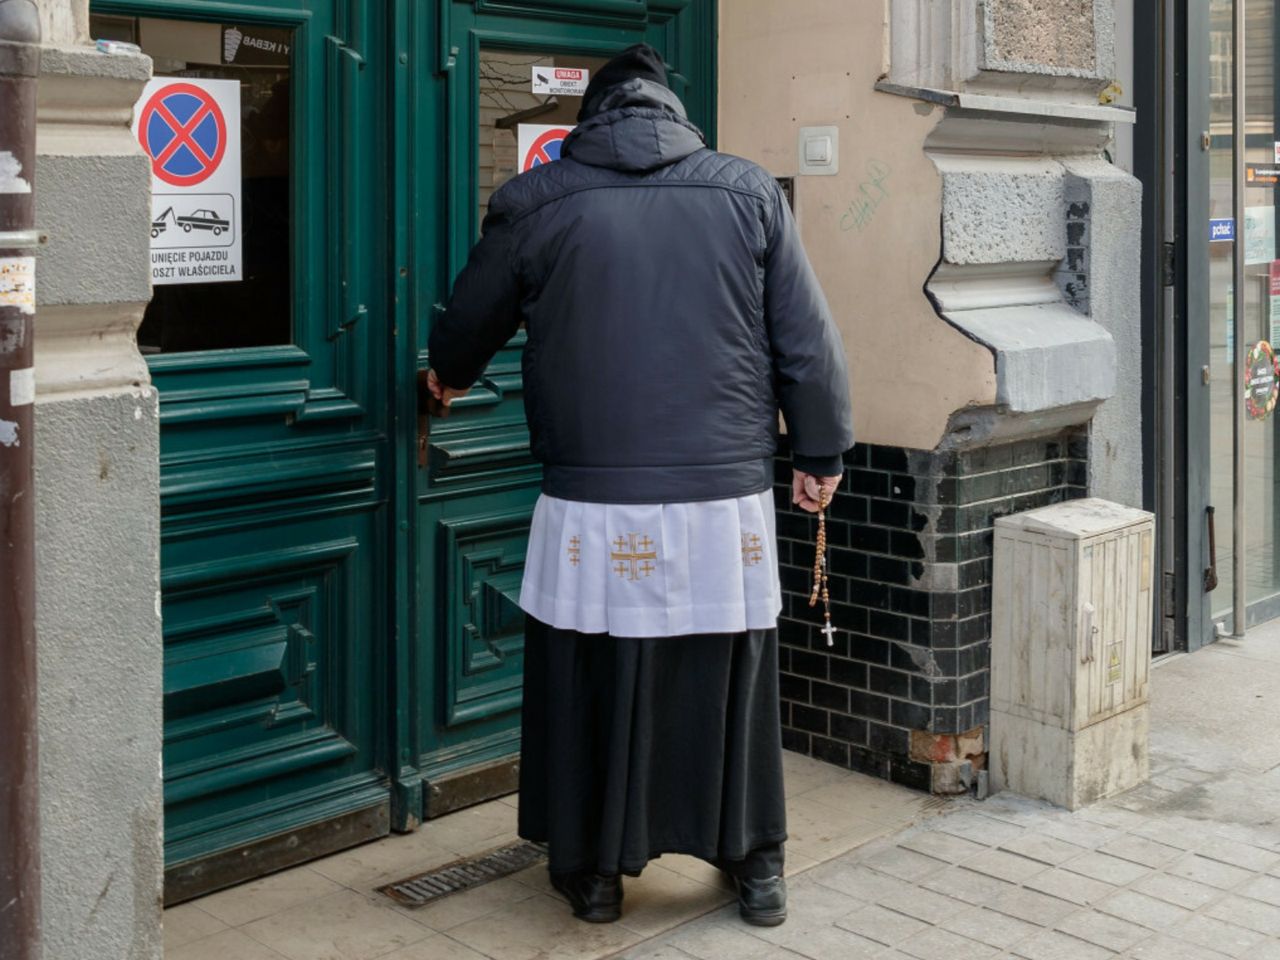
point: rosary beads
(820, 570)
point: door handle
(428, 407)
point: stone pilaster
(97, 481)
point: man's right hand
(812, 493)
(446, 395)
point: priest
(671, 314)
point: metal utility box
(1071, 651)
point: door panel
(476, 498)
(274, 452)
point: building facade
(256, 559)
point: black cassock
(638, 746)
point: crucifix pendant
(830, 631)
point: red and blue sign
(183, 131)
(545, 148)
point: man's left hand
(811, 493)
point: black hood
(637, 125)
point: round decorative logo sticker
(1261, 381)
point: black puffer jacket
(670, 310)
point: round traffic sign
(183, 131)
(545, 149)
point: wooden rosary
(820, 566)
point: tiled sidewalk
(330, 910)
(1186, 867)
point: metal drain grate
(464, 874)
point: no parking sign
(540, 143)
(190, 130)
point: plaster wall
(872, 231)
(97, 509)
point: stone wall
(97, 503)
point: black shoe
(594, 898)
(762, 902)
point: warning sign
(540, 143)
(191, 131)
(564, 81)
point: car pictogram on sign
(204, 220)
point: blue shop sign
(1222, 229)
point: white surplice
(653, 570)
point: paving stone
(1004, 866)
(994, 929)
(1108, 869)
(1170, 834)
(1065, 885)
(1250, 914)
(1252, 858)
(1143, 910)
(1266, 889)
(1034, 907)
(984, 830)
(809, 902)
(1137, 849)
(1109, 815)
(904, 864)
(1052, 945)
(1082, 833)
(1046, 849)
(713, 941)
(856, 880)
(923, 904)
(937, 944)
(1216, 935)
(825, 943)
(1103, 930)
(1177, 890)
(1214, 873)
(883, 926)
(1167, 948)
(942, 846)
(972, 888)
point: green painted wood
(474, 504)
(341, 626)
(275, 468)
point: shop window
(522, 124)
(255, 308)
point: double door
(340, 593)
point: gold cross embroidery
(752, 551)
(634, 554)
(575, 550)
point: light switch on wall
(819, 151)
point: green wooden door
(275, 452)
(342, 635)
(476, 499)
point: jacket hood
(638, 125)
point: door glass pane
(1221, 305)
(1262, 310)
(256, 308)
(528, 103)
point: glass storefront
(1243, 323)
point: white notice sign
(1259, 234)
(191, 131)
(565, 81)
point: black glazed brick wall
(911, 537)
